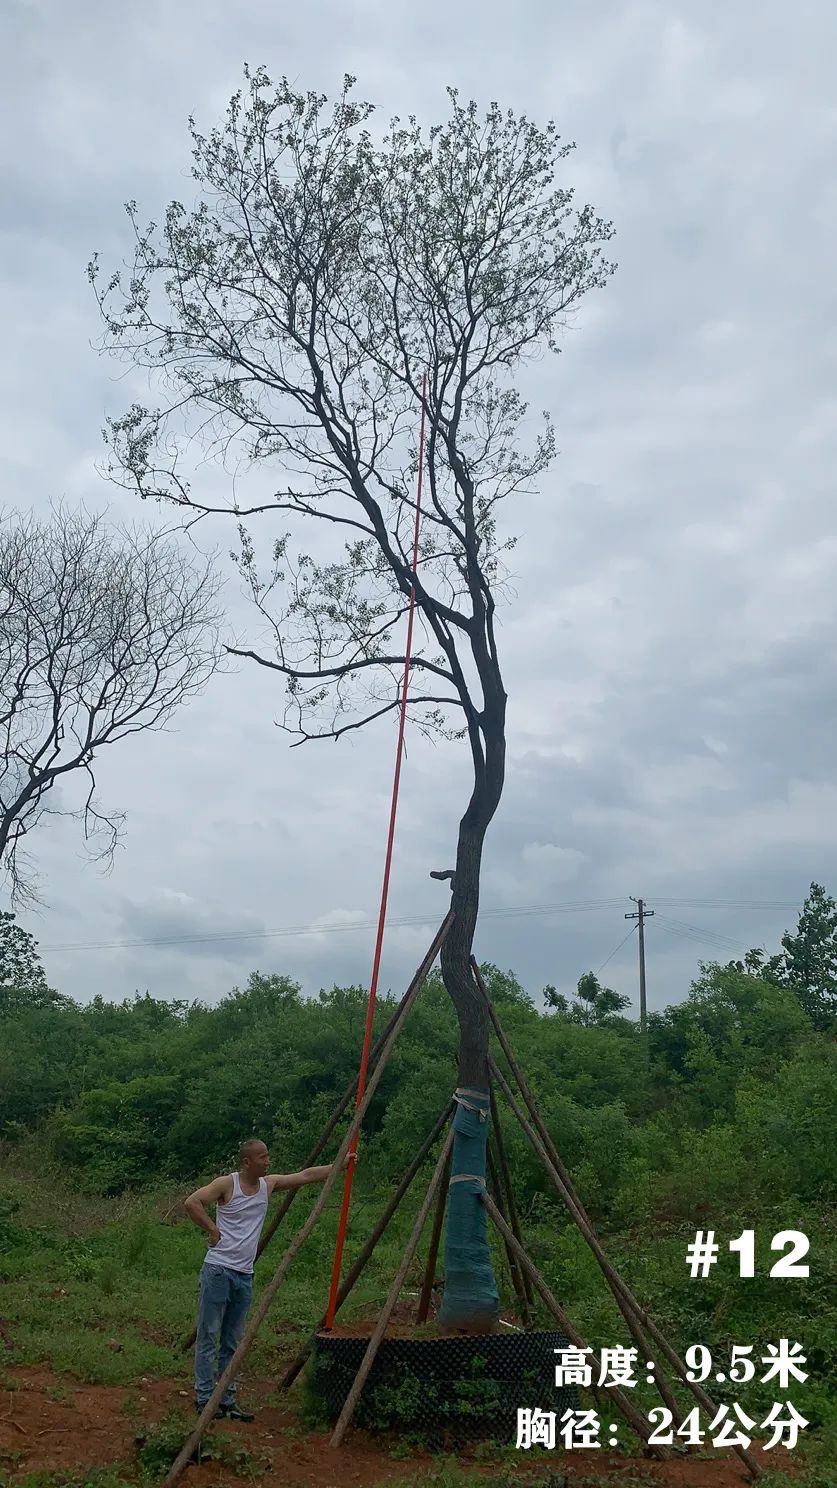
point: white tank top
(240, 1222)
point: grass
(451, 1475)
(92, 1478)
(157, 1446)
(103, 1292)
(109, 1302)
(448, 1476)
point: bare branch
(337, 732)
(99, 638)
(416, 662)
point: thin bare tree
(102, 635)
(293, 314)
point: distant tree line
(737, 1094)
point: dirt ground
(54, 1424)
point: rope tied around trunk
(459, 1097)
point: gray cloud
(668, 641)
(169, 915)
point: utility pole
(641, 914)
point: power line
(765, 904)
(698, 939)
(616, 949)
(522, 911)
(696, 932)
(704, 933)
(579, 906)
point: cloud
(668, 641)
(192, 928)
(554, 863)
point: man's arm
(276, 1181)
(211, 1193)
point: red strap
(373, 989)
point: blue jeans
(224, 1300)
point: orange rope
(373, 989)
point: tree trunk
(471, 1299)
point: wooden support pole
(210, 1409)
(514, 1270)
(339, 1110)
(614, 1281)
(507, 1183)
(350, 1091)
(633, 1313)
(433, 1251)
(360, 1264)
(349, 1094)
(394, 1293)
(517, 1071)
(618, 1396)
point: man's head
(253, 1158)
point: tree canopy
(23, 982)
(807, 961)
(329, 288)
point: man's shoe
(235, 1413)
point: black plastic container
(446, 1390)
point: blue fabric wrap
(470, 1289)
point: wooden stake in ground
(394, 1293)
(517, 1278)
(360, 1264)
(505, 1173)
(346, 1098)
(433, 1251)
(618, 1396)
(210, 1409)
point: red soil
(87, 1427)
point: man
(226, 1282)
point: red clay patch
(86, 1426)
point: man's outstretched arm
(276, 1181)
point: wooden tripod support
(528, 1280)
(638, 1320)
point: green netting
(470, 1289)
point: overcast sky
(670, 653)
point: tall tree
(807, 963)
(101, 636)
(23, 981)
(296, 311)
(598, 1004)
(594, 1003)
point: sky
(668, 643)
